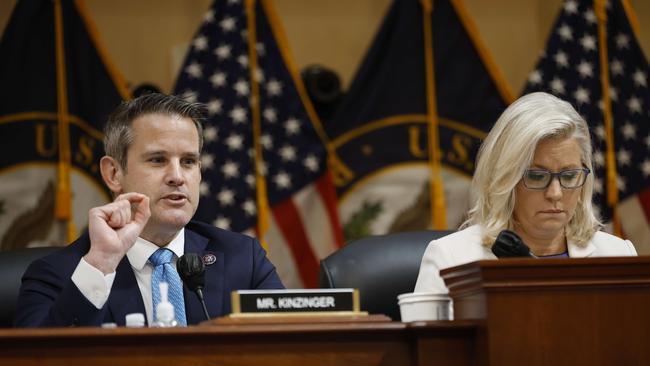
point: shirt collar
(143, 249)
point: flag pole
(612, 186)
(437, 194)
(63, 205)
(261, 192)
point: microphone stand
(199, 293)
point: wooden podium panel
(300, 344)
(588, 311)
(447, 343)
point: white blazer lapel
(576, 251)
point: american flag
(218, 71)
(570, 68)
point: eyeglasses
(569, 179)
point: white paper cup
(415, 306)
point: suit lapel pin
(209, 259)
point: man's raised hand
(114, 228)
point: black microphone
(508, 245)
(191, 269)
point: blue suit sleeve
(49, 298)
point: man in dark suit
(152, 167)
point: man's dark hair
(118, 131)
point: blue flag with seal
(412, 122)
(56, 90)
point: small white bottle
(135, 320)
(165, 316)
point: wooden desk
(569, 311)
(590, 311)
(367, 343)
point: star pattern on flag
(572, 73)
(217, 72)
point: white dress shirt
(96, 286)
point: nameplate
(300, 302)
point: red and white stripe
(635, 220)
(303, 230)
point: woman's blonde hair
(508, 151)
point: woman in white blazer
(534, 176)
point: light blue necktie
(164, 271)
